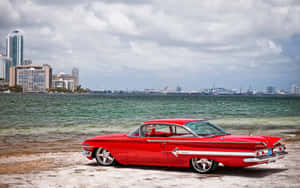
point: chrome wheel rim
(104, 157)
(202, 164)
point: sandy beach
(54, 164)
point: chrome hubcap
(104, 157)
(202, 165)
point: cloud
(268, 46)
(172, 41)
(7, 14)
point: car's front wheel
(104, 157)
(203, 165)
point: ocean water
(30, 114)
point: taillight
(279, 148)
(262, 152)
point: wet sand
(32, 144)
(59, 163)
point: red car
(183, 143)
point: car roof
(172, 121)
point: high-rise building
(63, 80)
(15, 46)
(2, 68)
(75, 74)
(295, 89)
(2, 47)
(178, 89)
(27, 62)
(270, 90)
(32, 78)
(5, 63)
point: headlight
(87, 147)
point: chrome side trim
(215, 153)
(217, 142)
(268, 159)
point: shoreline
(72, 169)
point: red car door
(147, 149)
(142, 151)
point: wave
(250, 124)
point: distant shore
(134, 93)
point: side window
(157, 130)
(164, 128)
(181, 132)
(148, 130)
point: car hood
(270, 141)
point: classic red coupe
(183, 143)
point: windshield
(205, 128)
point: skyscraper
(75, 74)
(295, 89)
(2, 47)
(27, 62)
(14, 47)
(5, 63)
(2, 68)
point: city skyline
(154, 44)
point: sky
(137, 44)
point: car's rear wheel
(203, 165)
(104, 157)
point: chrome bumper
(267, 159)
(87, 153)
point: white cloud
(232, 68)
(268, 47)
(45, 31)
(95, 22)
(7, 13)
(158, 37)
(116, 16)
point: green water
(42, 113)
